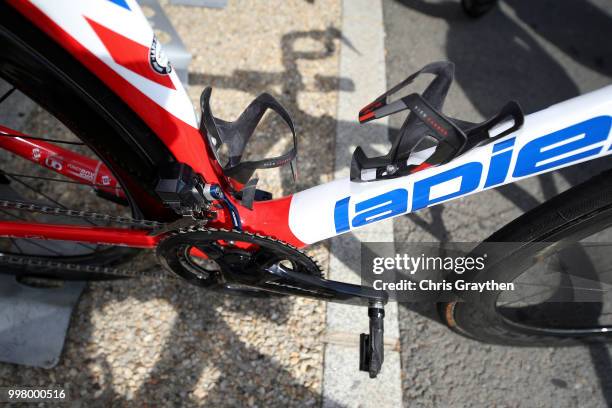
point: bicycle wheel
(63, 101)
(557, 255)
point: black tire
(56, 81)
(573, 215)
(477, 8)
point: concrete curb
(362, 60)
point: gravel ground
(148, 343)
(538, 54)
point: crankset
(249, 264)
(231, 261)
(227, 260)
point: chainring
(235, 262)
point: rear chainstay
(82, 214)
(46, 263)
(36, 262)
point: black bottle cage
(235, 135)
(451, 137)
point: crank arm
(329, 290)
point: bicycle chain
(89, 215)
(16, 260)
(27, 261)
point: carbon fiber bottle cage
(236, 135)
(427, 137)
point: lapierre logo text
(559, 148)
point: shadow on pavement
(499, 59)
(214, 343)
(291, 83)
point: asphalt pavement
(538, 53)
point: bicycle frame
(113, 39)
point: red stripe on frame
(366, 117)
(271, 218)
(184, 140)
(129, 54)
(420, 167)
(79, 233)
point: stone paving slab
(362, 52)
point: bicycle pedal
(371, 346)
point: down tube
(562, 135)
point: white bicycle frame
(562, 135)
